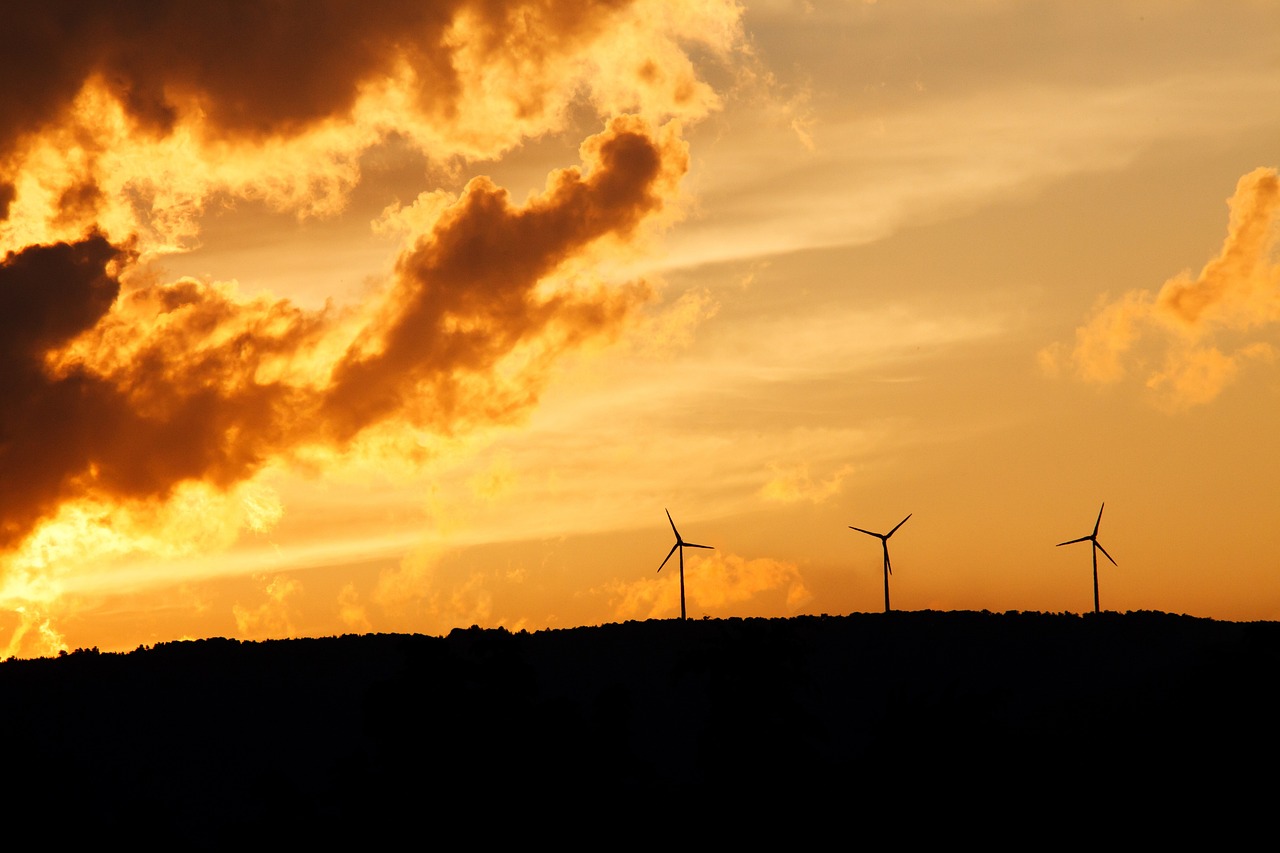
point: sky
(323, 319)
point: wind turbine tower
(680, 546)
(1097, 546)
(884, 542)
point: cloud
(272, 618)
(496, 480)
(1240, 288)
(662, 333)
(1191, 339)
(33, 636)
(351, 612)
(439, 600)
(130, 117)
(117, 393)
(719, 584)
(467, 295)
(136, 411)
(300, 63)
(793, 483)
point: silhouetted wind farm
(680, 546)
(884, 541)
(1097, 546)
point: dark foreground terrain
(924, 724)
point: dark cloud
(79, 204)
(48, 295)
(465, 294)
(255, 68)
(69, 430)
(125, 395)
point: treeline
(196, 743)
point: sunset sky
(400, 317)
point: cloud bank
(120, 124)
(127, 395)
(131, 117)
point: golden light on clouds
(271, 619)
(716, 584)
(437, 599)
(136, 143)
(189, 383)
(352, 614)
(1191, 339)
(407, 316)
(141, 409)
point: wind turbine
(884, 541)
(1097, 546)
(680, 546)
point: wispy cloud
(273, 617)
(717, 584)
(793, 483)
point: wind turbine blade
(896, 526)
(868, 532)
(1104, 551)
(1074, 541)
(673, 525)
(887, 565)
(669, 553)
(691, 545)
(1099, 521)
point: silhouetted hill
(948, 723)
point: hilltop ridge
(222, 737)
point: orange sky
(417, 316)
